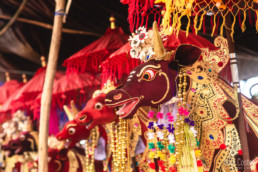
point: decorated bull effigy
(165, 105)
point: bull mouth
(125, 107)
(67, 143)
(88, 124)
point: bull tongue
(126, 108)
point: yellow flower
(152, 155)
(198, 153)
(172, 159)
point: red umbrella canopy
(118, 64)
(7, 89)
(90, 57)
(31, 89)
(77, 87)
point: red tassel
(222, 146)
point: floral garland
(141, 43)
(174, 144)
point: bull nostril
(117, 97)
(83, 117)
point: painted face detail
(143, 88)
(149, 74)
(96, 113)
(72, 133)
(23, 143)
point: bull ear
(185, 55)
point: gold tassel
(243, 22)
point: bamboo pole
(235, 77)
(47, 89)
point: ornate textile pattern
(73, 163)
(206, 98)
(82, 159)
(250, 109)
(225, 159)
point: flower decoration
(152, 165)
(159, 115)
(152, 155)
(197, 153)
(194, 131)
(161, 126)
(169, 114)
(170, 128)
(172, 159)
(150, 135)
(183, 111)
(160, 145)
(162, 166)
(160, 135)
(199, 163)
(191, 123)
(171, 148)
(151, 145)
(170, 118)
(151, 124)
(171, 138)
(151, 114)
(134, 52)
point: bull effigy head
(153, 82)
(72, 132)
(25, 142)
(96, 112)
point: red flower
(199, 163)
(223, 146)
(240, 152)
(152, 165)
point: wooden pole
(47, 89)
(235, 77)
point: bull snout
(83, 117)
(116, 96)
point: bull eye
(149, 74)
(71, 131)
(98, 106)
(22, 137)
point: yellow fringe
(243, 22)
(214, 26)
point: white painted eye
(22, 137)
(71, 131)
(149, 74)
(98, 106)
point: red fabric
(77, 87)
(91, 56)
(118, 63)
(7, 89)
(31, 89)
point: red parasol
(7, 89)
(31, 89)
(77, 87)
(118, 63)
(91, 56)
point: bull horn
(157, 43)
(73, 107)
(68, 113)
